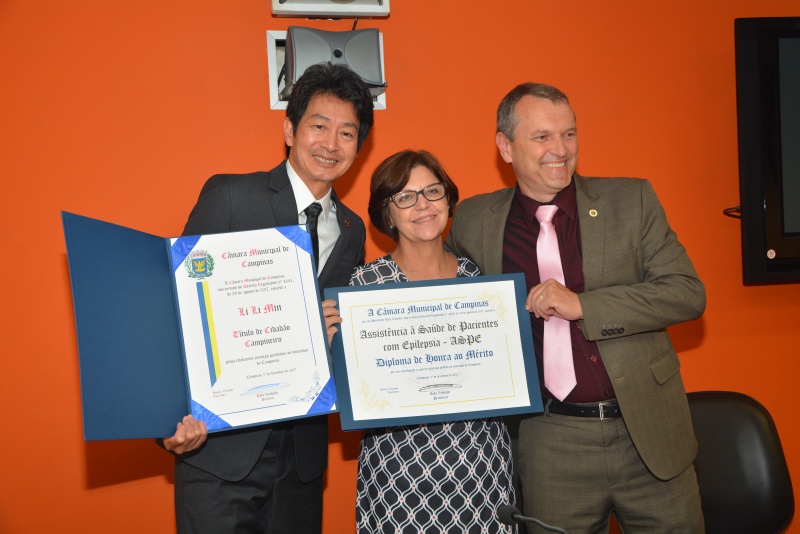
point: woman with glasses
(443, 477)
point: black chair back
(741, 469)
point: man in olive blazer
(576, 466)
(638, 281)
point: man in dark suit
(616, 435)
(268, 479)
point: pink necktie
(559, 371)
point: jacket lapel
(590, 216)
(341, 243)
(282, 202)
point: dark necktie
(312, 217)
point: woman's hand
(332, 318)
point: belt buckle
(602, 406)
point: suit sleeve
(349, 251)
(650, 287)
(361, 236)
(464, 236)
(451, 243)
(212, 213)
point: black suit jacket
(236, 202)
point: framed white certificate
(252, 327)
(424, 352)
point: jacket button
(604, 332)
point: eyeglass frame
(422, 192)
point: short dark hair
(335, 80)
(391, 177)
(507, 119)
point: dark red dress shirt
(519, 255)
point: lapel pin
(592, 213)
(347, 222)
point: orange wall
(120, 110)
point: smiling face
(325, 143)
(544, 152)
(425, 220)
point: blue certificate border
(325, 401)
(526, 338)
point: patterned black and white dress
(443, 477)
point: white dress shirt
(327, 225)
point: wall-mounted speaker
(358, 49)
(330, 8)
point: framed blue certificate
(227, 327)
(434, 351)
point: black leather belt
(600, 410)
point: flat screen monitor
(768, 112)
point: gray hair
(507, 119)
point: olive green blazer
(638, 281)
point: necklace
(416, 274)
(405, 266)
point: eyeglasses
(408, 198)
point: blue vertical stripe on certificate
(325, 400)
(209, 335)
(181, 248)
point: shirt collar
(566, 200)
(303, 197)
